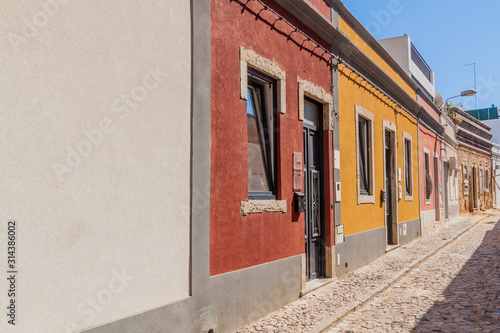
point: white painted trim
(466, 181)
(320, 95)
(251, 59)
(486, 180)
(387, 125)
(260, 206)
(428, 202)
(365, 199)
(480, 172)
(408, 137)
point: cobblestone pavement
(455, 290)
(317, 309)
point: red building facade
(243, 232)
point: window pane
(480, 180)
(408, 167)
(260, 133)
(428, 179)
(363, 156)
(311, 113)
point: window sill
(408, 197)
(366, 199)
(428, 203)
(261, 206)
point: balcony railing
(420, 62)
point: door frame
(446, 191)
(474, 188)
(392, 129)
(437, 204)
(319, 129)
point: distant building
(431, 131)
(474, 156)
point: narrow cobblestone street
(449, 281)
(456, 290)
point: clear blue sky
(448, 34)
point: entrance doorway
(474, 188)
(446, 192)
(313, 162)
(390, 188)
(437, 206)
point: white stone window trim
(466, 179)
(428, 202)
(387, 125)
(250, 59)
(486, 180)
(268, 67)
(451, 184)
(261, 206)
(408, 137)
(309, 89)
(481, 180)
(362, 198)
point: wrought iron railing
(420, 62)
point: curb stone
(330, 322)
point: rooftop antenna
(475, 86)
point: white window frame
(481, 181)
(451, 181)
(486, 180)
(363, 198)
(408, 137)
(268, 67)
(466, 178)
(250, 59)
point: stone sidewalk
(455, 290)
(317, 311)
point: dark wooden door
(388, 186)
(314, 226)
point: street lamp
(468, 93)
(451, 114)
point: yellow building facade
(378, 138)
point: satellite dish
(438, 100)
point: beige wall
(474, 159)
(95, 166)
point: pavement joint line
(332, 321)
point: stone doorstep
(390, 248)
(316, 284)
(328, 322)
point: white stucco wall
(95, 158)
(400, 49)
(496, 170)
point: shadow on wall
(472, 300)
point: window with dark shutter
(428, 178)
(364, 156)
(408, 168)
(261, 137)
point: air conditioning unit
(453, 163)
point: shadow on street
(472, 300)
